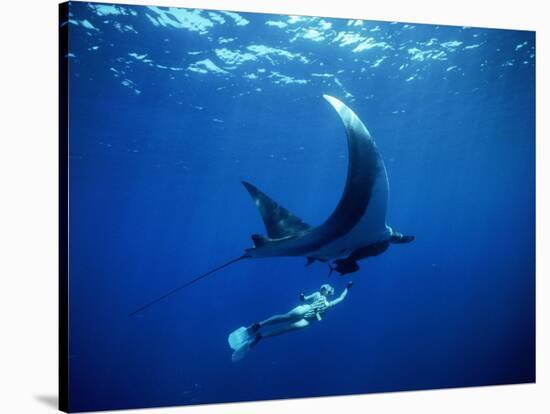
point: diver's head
(326, 290)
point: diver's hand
(302, 297)
(350, 284)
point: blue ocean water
(171, 108)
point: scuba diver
(244, 338)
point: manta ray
(355, 230)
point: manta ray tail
(278, 221)
(188, 283)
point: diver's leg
(295, 314)
(285, 317)
(300, 324)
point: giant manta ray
(355, 230)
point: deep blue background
(155, 199)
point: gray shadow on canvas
(51, 401)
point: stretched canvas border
(63, 209)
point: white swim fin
(238, 338)
(240, 352)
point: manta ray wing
(357, 220)
(279, 222)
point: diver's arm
(308, 297)
(341, 297)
